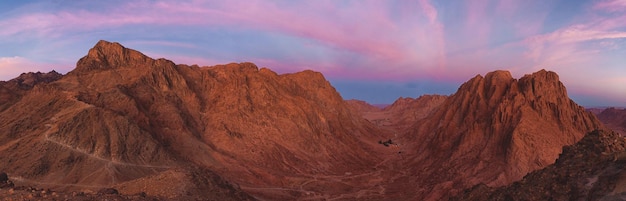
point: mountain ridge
(126, 116)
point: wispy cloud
(611, 5)
(367, 40)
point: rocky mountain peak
(542, 83)
(106, 55)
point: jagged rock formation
(494, 130)
(592, 169)
(614, 118)
(121, 117)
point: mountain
(591, 169)
(123, 119)
(614, 118)
(493, 130)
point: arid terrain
(126, 125)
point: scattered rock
(4, 177)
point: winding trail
(52, 127)
(110, 161)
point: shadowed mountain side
(494, 130)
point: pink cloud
(321, 21)
(563, 42)
(611, 5)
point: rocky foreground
(592, 169)
(9, 192)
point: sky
(372, 50)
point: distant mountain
(399, 115)
(13, 90)
(591, 169)
(360, 106)
(614, 119)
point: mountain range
(142, 126)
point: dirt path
(52, 127)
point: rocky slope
(122, 117)
(494, 130)
(591, 169)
